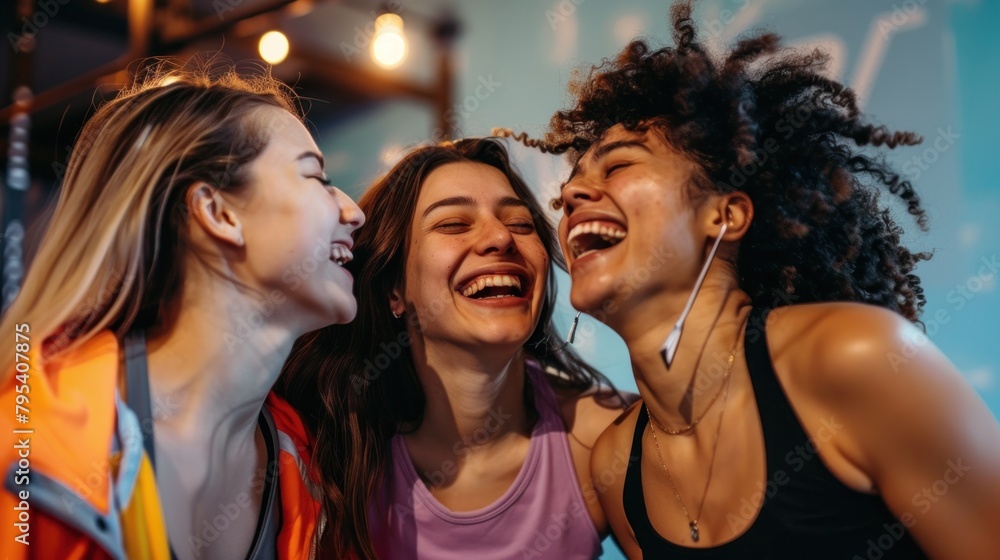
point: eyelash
(453, 225)
(325, 181)
(615, 167)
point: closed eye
(451, 226)
(325, 181)
(522, 227)
(615, 167)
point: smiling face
(475, 267)
(297, 228)
(631, 226)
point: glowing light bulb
(389, 46)
(273, 47)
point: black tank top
(806, 511)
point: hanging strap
(137, 379)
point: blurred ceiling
(81, 50)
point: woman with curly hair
(827, 427)
(450, 420)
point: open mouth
(593, 236)
(493, 286)
(340, 254)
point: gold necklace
(692, 523)
(691, 426)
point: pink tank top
(541, 516)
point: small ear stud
(397, 315)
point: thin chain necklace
(691, 426)
(693, 522)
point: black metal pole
(18, 177)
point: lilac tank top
(541, 516)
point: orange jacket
(76, 482)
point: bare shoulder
(841, 346)
(588, 415)
(617, 436)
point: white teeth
(490, 281)
(611, 233)
(340, 254)
(607, 232)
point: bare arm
(926, 439)
(608, 465)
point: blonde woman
(195, 238)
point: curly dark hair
(765, 120)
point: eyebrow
(604, 149)
(504, 202)
(314, 155)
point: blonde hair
(111, 257)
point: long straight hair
(111, 257)
(356, 386)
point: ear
(735, 209)
(214, 214)
(396, 304)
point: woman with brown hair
(195, 238)
(450, 420)
(828, 427)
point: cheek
(562, 231)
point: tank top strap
(778, 420)
(632, 497)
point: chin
(500, 337)
(591, 299)
(341, 313)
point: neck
(473, 397)
(210, 367)
(711, 332)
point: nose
(350, 213)
(576, 193)
(496, 238)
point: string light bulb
(389, 45)
(273, 47)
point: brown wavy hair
(355, 385)
(764, 120)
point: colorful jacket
(76, 481)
